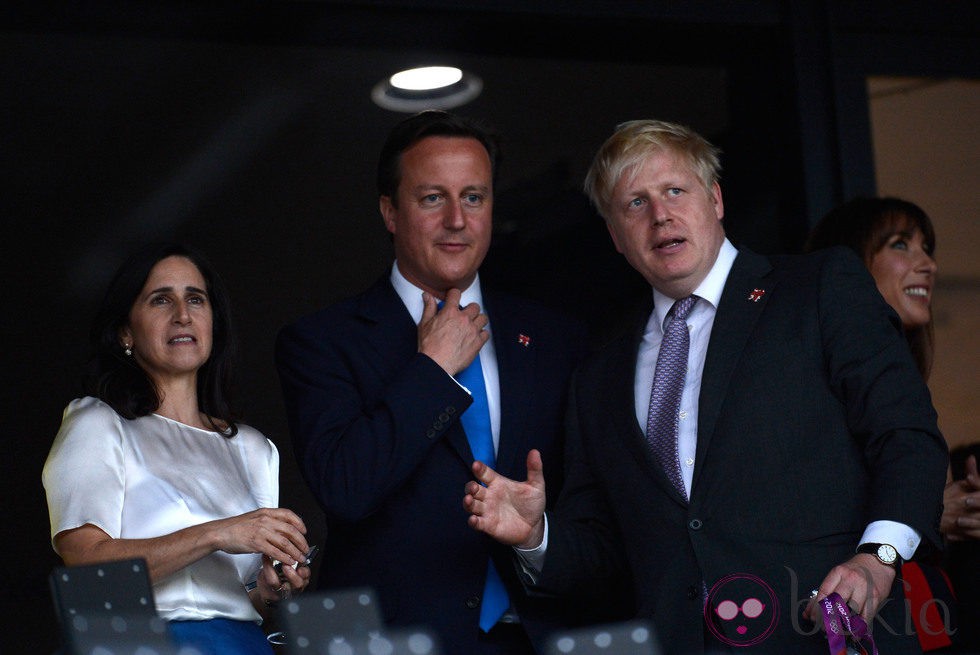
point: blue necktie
(476, 423)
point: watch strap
(874, 549)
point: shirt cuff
(532, 559)
(902, 537)
(463, 387)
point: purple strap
(845, 628)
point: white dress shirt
(151, 476)
(411, 296)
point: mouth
(668, 244)
(917, 292)
(182, 338)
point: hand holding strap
(847, 632)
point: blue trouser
(221, 637)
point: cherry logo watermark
(741, 610)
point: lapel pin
(524, 340)
(756, 295)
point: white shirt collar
(710, 288)
(411, 295)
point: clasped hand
(276, 533)
(273, 587)
(961, 506)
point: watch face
(887, 553)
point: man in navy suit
(803, 452)
(375, 405)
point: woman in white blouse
(152, 463)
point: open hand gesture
(509, 511)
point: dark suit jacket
(375, 431)
(813, 422)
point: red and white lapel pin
(756, 295)
(524, 340)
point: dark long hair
(120, 382)
(864, 225)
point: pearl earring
(129, 350)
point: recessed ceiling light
(426, 79)
(430, 87)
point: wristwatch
(885, 553)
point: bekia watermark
(743, 609)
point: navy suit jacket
(813, 422)
(376, 433)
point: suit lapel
(394, 335)
(516, 373)
(391, 330)
(746, 293)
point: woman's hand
(961, 506)
(274, 532)
(273, 588)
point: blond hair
(633, 142)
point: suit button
(451, 410)
(430, 433)
(692, 593)
(473, 602)
(444, 417)
(695, 524)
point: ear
(717, 201)
(125, 336)
(389, 213)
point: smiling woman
(153, 464)
(896, 241)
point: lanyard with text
(847, 633)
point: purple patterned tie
(668, 384)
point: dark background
(246, 129)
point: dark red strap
(929, 625)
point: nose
(925, 263)
(453, 218)
(181, 315)
(658, 212)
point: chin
(916, 322)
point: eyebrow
(171, 289)
(905, 234)
(419, 188)
(477, 187)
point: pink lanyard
(847, 633)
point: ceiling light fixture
(430, 87)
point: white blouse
(151, 476)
